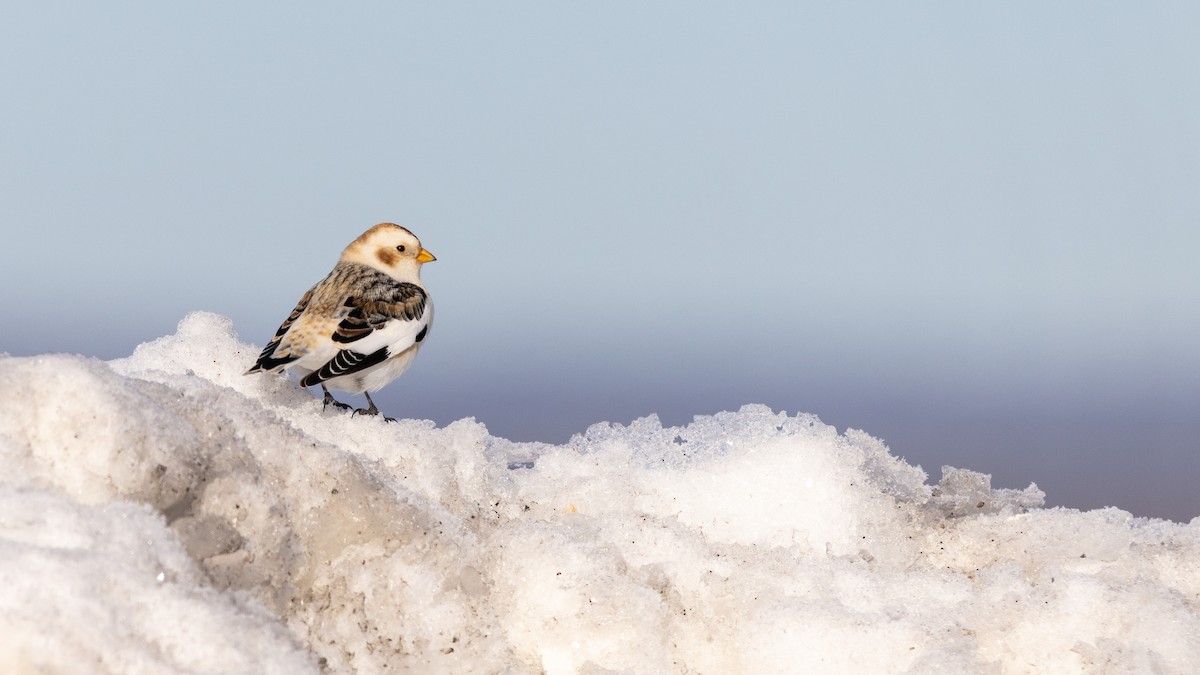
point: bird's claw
(372, 412)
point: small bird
(360, 327)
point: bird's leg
(372, 410)
(331, 401)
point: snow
(165, 513)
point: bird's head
(389, 248)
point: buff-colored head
(389, 248)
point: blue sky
(968, 230)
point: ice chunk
(961, 492)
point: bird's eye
(400, 248)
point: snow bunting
(360, 327)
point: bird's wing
(383, 312)
(346, 362)
(267, 360)
(383, 318)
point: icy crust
(164, 513)
(109, 589)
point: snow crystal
(164, 513)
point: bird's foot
(331, 401)
(372, 412)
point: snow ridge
(163, 513)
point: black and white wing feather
(383, 318)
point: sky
(969, 230)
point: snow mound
(165, 513)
